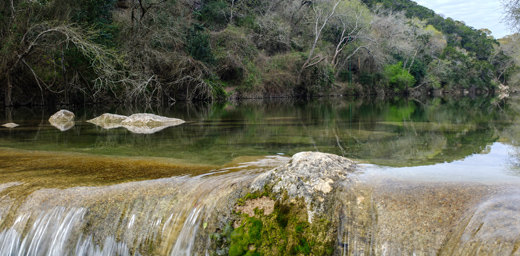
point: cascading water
(175, 216)
(157, 217)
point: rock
(136, 123)
(108, 121)
(149, 123)
(311, 176)
(151, 120)
(62, 116)
(63, 120)
(263, 203)
(10, 125)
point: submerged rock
(63, 120)
(136, 123)
(490, 228)
(10, 125)
(310, 176)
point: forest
(98, 51)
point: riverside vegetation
(91, 51)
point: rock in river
(151, 120)
(292, 209)
(62, 120)
(136, 123)
(310, 176)
(108, 121)
(62, 116)
(10, 125)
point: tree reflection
(394, 132)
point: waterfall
(175, 216)
(156, 217)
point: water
(391, 133)
(432, 171)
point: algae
(285, 231)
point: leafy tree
(398, 78)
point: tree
(507, 59)
(353, 21)
(512, 13)
(322, 15)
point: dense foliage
(57, 51)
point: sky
(475, 13)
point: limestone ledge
(311, 176)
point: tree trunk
(9, 92)
(8, 95)
(317, 34)
(231, 14)
(64, 72)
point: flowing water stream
(435, 178)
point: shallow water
(445, 164)
(392, 133)
(492, 166)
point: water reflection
(391, 133)
(63, 126)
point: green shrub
(398, 78)
(369, 79)
(344, 76)
(213, 13)
(418, 70)
(197, 45)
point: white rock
(10, 125)
(136, 123)
(63, 120)
(151, 120)
(108, 121)
(62, 116)
(310, 176)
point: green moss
(236, 250)
(255, 231)
(302, 247)
(286, 231)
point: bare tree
(45, 38)
(511, 13)
(354, 20)
(321, 17)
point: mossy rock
(285, 231)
